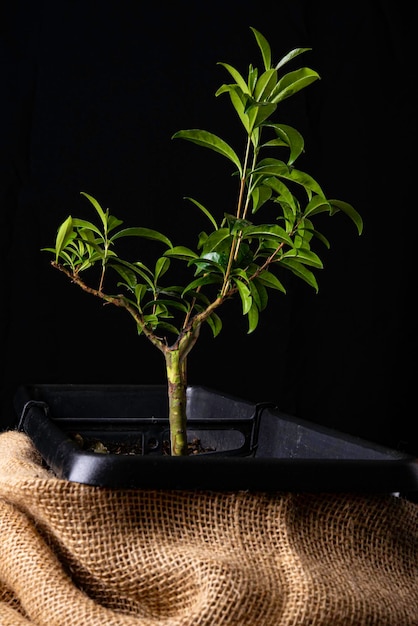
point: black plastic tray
(256, 446)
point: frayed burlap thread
(75, 555)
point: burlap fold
(73, 555)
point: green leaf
(264, 46)
(293, 82)
(321, 237)
(182, 253)
(268, 230)
(128, 276)
(215, 239)
(140, 291)
(92, 250)
(161, 310)
(175, 304)
(238, 102)
(300, 271)
(210, 262)
(64, 235)
(290, 137)
(259, 294)
(304, 233)
(162, 325)
(262, 112)
(260, 195)
(69, 259)
(304, 256)
(136, 267)
(161, 266)
(215, 323)
(98, 208)
(112, 223)
(205, 211)
(253, 317)
(116, 265)
(340, 205)
(291, 55)
(235, 224)
(282, 191)
(89, 226)
(245, 295)
(271, 281)
(305, 180)
(317, 204)
(271, 167)
(237, 77)
(151, 320)
(265, 84)
(52, 250)
(209, 140)
(146, 233)
(201, 300)
(208, 279)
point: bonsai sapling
(239, 255)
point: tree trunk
(177, 386)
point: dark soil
(132, 447)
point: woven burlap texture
(74, 555)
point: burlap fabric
(74, 555)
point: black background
(92, 93)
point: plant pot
(252, 446)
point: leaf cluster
(238, 254)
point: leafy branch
(236, 256)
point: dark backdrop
(93, 91)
